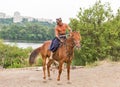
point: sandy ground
(105, 75)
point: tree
(113, 33)
(90, 22)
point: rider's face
(59, 22)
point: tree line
(28, 31)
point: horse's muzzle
(77, 44)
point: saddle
(55, 44)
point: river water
(23, 44)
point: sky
(50, 9)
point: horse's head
(76, 38)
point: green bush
(13, 57)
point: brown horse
(63, 54)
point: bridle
(72, 45)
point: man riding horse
(60, 35)
(64, 54)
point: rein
(69, 44)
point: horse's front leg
(48, 67)
(68, 70)
(60, 70)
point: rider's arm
(56, 33)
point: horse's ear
(79, 31)
(75, 30)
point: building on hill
(2, 15)
(17, 17)
(45, 20)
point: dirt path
(105, 75)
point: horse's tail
(34, 55)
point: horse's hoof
(44, 77)
(58, 79)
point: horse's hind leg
(48, 66)
(44, 67)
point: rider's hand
(61, 40)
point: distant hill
(10, 21)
